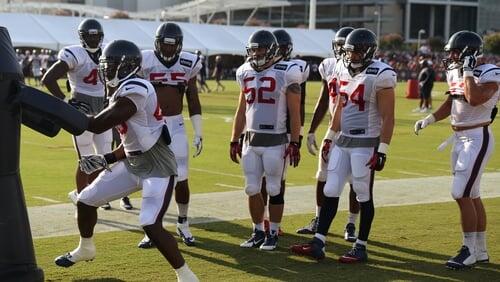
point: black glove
(79, 105)
(300, 141)
(377, 161)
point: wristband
(383, 148)
(430, 119)
(110, 158)
(330, 134)
(196, 121)
(468, 74)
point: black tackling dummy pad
(44, 112)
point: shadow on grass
(386, 262)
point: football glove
(325, 149)
(377, 161)
(198, 145)
(293, 152)
(312, 146)
(469, 64)
(92, 163)
(423, 123)
(235, 151)
(79, 105)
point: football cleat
(314, 249)
(69, 259)
(270, 242)
(125, 204)
(146, 243)
(185, 234)
(350, 232)
(482, 257)
(309, 229)
(255, 240)
(106, 206)
(267, 228)
(464, 259)
(356, 254)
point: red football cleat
(314, 249)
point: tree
(392, 41)
(436, 43)
(492, 43)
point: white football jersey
(360, 116)
(304, 68)
(82, 74)
(141, 131)
(462, 113)
(153, 69)
(326, 70)
(265, 93)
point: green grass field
(407, 243)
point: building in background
(410, 18)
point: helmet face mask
(120, 60)
(91, 35)
(168, 41)
(261, 49)
(285, 44)
(339, 41)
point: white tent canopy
(55, 32)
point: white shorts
(471, 152)
(119, 182)
(350, 164)
(179, 144)
(263, 161)
(89, 143)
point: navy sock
(367, 212)
(327, 214)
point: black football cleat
(255, 240)
(309, 229)
(356, 254)
(464, 259)
(270, 243)
(350, 233)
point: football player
(80, 63)
(284, 52)
(474, 93)
(173, 74)
(325, 103)
(268, 91)
(143, 160)
(363, 120)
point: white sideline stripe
(228, 186)
(217, 172)
(419, 160)
(411, 173)
(46, 199)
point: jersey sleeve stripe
(390, 69)
(136, 83)
(492, 69)
(69, 51)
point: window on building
(463, 18)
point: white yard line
(46, 199)
(216, 172)
(228, 186)
(411, 173)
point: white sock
(266, 212)
(182, 209)
(184, 273)
(85, 248)
(364, 243)
(321, 237)
(318, 210)
(470, 241)
(352, 218)
(274, 226)
(481, 241)
(258, 226)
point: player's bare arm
(337, 114)
(386, 102)
(239, 119)
(293, 102)
(58, 70)
(444, 110)
(321, 107)
(116, 113)
(478, 94)
(193, 100)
